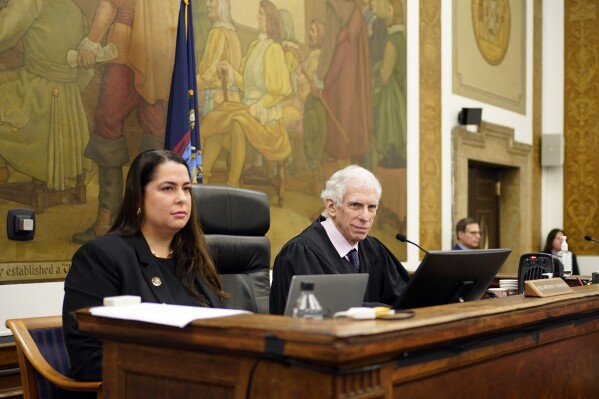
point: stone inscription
(33, 272)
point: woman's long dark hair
(550, 237)
(188, 245)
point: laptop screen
(335, 292)
(452, 276)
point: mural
(290, 91)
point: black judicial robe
(311, 252)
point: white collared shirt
(337, 239)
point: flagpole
(186, 17)
(182, 127)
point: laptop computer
(452, 276)
(335, 292)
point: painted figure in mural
(314, 123)
(492, 16)
(138, 79)
(344, 74)
(43, 126)
(390, 92)
(303, 111)
(293, 56)
(222, 46)
(264, 80)
(368, 14)
(292, 104)
(201, 26)
(377, 29)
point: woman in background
(155, 249)
(553, 246)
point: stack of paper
(158, 313)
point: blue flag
(182, 128)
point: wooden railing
(10, 379)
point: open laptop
(335, 292)
(452, 276)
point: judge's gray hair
(351, 176)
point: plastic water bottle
(307, 306)
(565, 257)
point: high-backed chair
(43, 358)
(235, 221)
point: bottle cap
(307, 286)
(564, 246)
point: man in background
(467, 234)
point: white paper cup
(508, 283)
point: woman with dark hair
(553, 245)
(155, 249)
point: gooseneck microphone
(590, 238)
(403, 238)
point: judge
(338, 242)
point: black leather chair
(235, 221)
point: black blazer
(109, 266)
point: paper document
(110, 53)
(159, 313)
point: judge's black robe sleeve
(387, 276)
(294, 258)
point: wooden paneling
(474, 349)
(430, 124)
(10, 379)
(537, 118)
(581, 130)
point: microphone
(589, 238)
(403, 238)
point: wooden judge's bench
(512, 347)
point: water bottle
(565, 257)
(307, 306)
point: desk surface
(343, 343)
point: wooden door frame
(495, 144)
